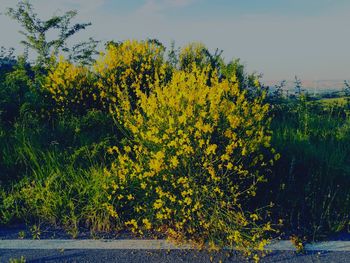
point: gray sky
(279, 38)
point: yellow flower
(174, 161)
(160, 216)
(132, 223)
(127, 149)
(255, 217)
(187, 201)
(111, 211)
(211, 149)
(147, 223)
(158, 204)
(110, 150)
(229, 166)
(157, 163)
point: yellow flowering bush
(71, 86)
(192, 161)
(126, 69)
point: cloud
(84, 6)
(179, 3)
(152, 7)
(46, 10)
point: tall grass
(59, 193)
(52, 171)
(310, 184)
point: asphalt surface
(148, 255)
(162, 256)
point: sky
(278, 38)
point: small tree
(7, 61)
(7, 56)
(35, 31)
(347, 88)
(278, 92)
(298, 86)
(173, 55)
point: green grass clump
(310, 185)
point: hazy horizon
(279, 39)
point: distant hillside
(315, 86)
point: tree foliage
(347, 88)
(35, 31)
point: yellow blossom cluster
(127, 69)
(123, 71)
(71, 87)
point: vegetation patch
(172, 142)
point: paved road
(111, 250)
(163, 256)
